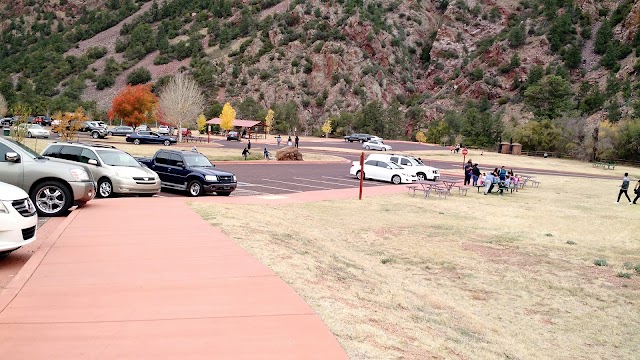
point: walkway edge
(17, 283)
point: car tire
(95, 135)
(105, 188)
(51, 198)
(166, 143)
(396, 179)
(110, 133)
(29, 135)
(223, 193)
(361, 141)
(194, 188)
(358, 174)
(384, 149)
(367, 147)
(136, 142)
(421, 176)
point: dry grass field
(475, 277)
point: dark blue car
(148, 137)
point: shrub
(600, 262)
(139, 76)
(476, 74)
(624, 274)
(104, 81)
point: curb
(17, 283)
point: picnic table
(427, 187)
(605, 165)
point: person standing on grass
(467, 173)
(475, 174)
(637, 191)
(502, 174)
(297, 140)
(624, 187)
(245, 152)
(488, 183)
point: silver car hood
(129, 171)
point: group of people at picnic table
(503, 178)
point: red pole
(361, 173)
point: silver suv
(53, 187)
(115, 171)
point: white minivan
(411, 164)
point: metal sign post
(361, 173)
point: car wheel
(110, 133)
(167, 143)
(223, 193)
(396, 179)
(29, 135)
(51, 198)
(359, 174)
(105, 189)
(136, 141)
(361, 141)
(95, 135)
(195, 188)
(421, 176)
(384, 149)
(367, 147)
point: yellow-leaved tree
(327, 127)
(268, 120)
(69, 123)
(421, 137)
(227, 117)
(202, 124)
(21, 112)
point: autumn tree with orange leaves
(135, 105)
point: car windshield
(394, 165)
(196, 160)
(25, 148)
(117, 158)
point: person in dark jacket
(249, 145)
(475, 173)
(637, 191)
(624, 188)
(245, 152)
(467, 172)
(297, 140)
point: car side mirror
(93, 162)
(180, 164)
(12, 157)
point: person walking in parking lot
(297, 140)
(278, 139)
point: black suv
(98, 129)
(190, 171)
(357, 137)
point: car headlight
(235, 179)
(3, 208)
(211, 178)
(79, 175)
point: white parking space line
(353, 180)
(296, 184)
(277, 188)
(324, 182)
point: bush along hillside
(554, 75)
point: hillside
(387, 67)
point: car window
(4, 149)
(371, 162)
(383, 164)
(162, 158)
(394, 159)
(87, 155)
(174, 159)
(405, 162)
(71, 153)
(52, 151)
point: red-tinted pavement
(148, 278)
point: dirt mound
(290, 153)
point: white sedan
(33, 130)
(383, 170)
(18, 219)
(376, 145)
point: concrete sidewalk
(135, 278)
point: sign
(465, 151)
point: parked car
(414, 166)
(53, 186)
(148, 137)
(357, 137)
(233, 135)
(97, 129)
(382, 170)
(190, 171)
(164, 130)
(185, 132)
(33, 130)
(115, 171)
(376, 145)
(18, 219)
(42, 120)
(8, 121)
(120, 131)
